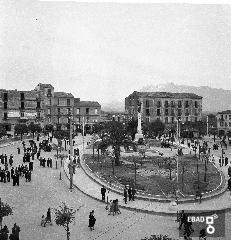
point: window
(5, 105)
(179, 104)
(166, 103)
(186, 104)
(186, 112)
(68, 102)
(22, 96)
(49, 119)
(158, 104)
(222, 117)
(158, 112)
(22, 114)
(5, 115)
(179, 113)
(87, 110)
(147, 120)
(229, 124)
(221, 124)
(147, 103)
(48, 111)
(166, 112)
(38, 104)
(38, 115)
(226, 125)
(58, 110)
(172, 104)
(68, 111)
(87, 119)
(147, 112)
(5, 97)
(96, 111)
(186, 119)
(196, 104)
(58, 119)
(173, 112)
(195, 119)
(22, 105)
(77, 110)
(229, 117)
(225, 116)
(49, 103)
(166, 120)
(49, 92)
(172, 118)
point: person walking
(133, 193)
(92, 220)
(125, 195)
(129, 193)
(15, 231)
(103, 192)
(48, 218)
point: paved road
(31, 200)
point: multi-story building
(224, 122)
(165, 106)
(20, 106)
(45, 106)
(87, 111)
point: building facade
(224, 122)
(45, 106)
(167, 107)
(87, 111)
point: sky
(105, 51)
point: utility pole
(207, 121)
(83, 132)
(71, 155)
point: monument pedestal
(139, 136)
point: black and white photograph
(115, 120)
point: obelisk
(139, 135)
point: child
(43, 220)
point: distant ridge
(214, 99)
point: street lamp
(71, 155)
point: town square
(109, 132)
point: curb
(220, 192)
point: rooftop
(87, 104)
(168, 95)
(225, 112)
(44, 85)
(63, 94)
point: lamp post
(71, 155)
(83, 132)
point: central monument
(139, 137)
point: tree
(21, 129)
(170, 164)
(5, 210)
(116, 136)
(131, 128)
(49, 127)
(158, 237)
(2, 131)
(34, 128)
(64, 216)
(156, 127)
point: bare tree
(64, 216)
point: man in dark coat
(133, 194)
(129, 193)
(92, 220)
(103, 191)
(15, 231)
(125, 195)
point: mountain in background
(114, 106)
(214, 99)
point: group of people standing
(129, 194)
(4, 233)
(43, 162)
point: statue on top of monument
(139, 103)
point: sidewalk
(87, 185)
